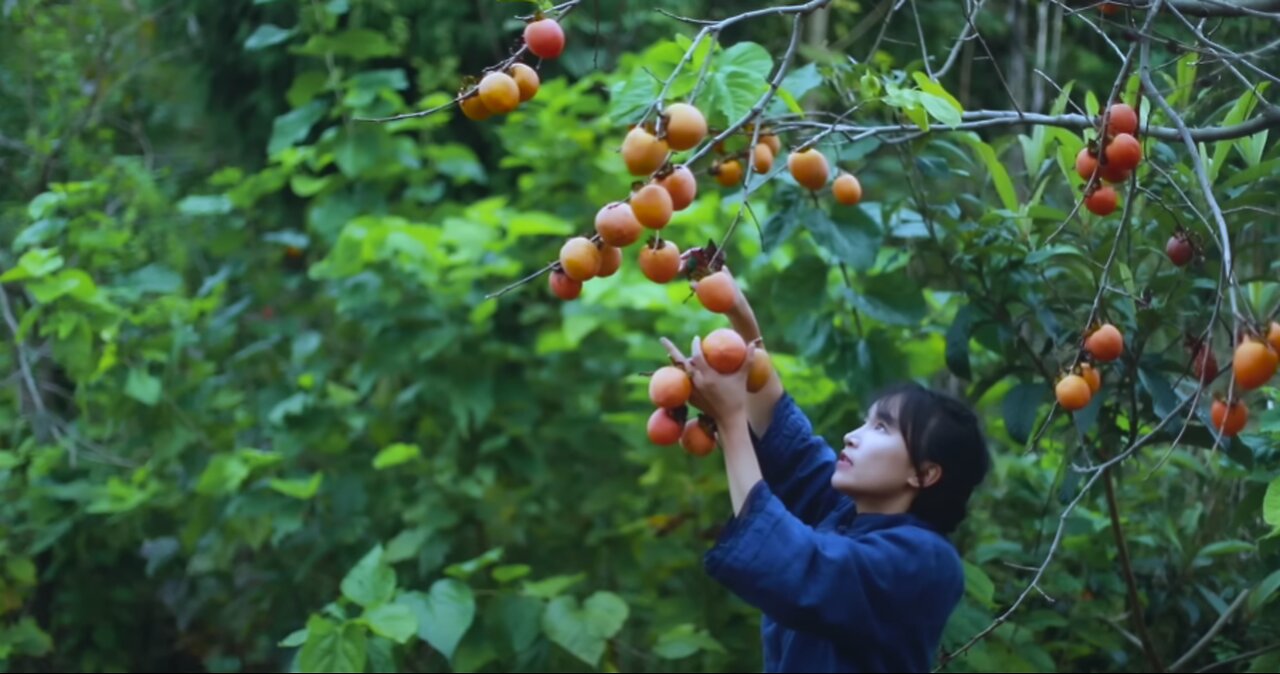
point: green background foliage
(259, 414)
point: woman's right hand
(740, 315)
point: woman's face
(874, 466)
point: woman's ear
(927, 476)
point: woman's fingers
(677, 357)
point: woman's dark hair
(940, 429)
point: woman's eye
(880, 426)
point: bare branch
(1213, 631)
(1212, 8)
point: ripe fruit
(526, 80)
(1112, 173)
(761, 369)
(685, 125)
(762, 158)
(652, 206)
(847, 189)
(1229, 422)
(564, 287)
(1253, 364)
(499, 93)
(1109, 9)
(682, 187)
(545, 38)
(1204, 364)
(809, 168)
(724, 350)
(1086, 164)
(1102, 201)
(610, 261)
(1092, 376)
(1273, 336)
(1105, 344)
(642, 152)
(1124, 153)
(717, 292)
(772, 141)
(663, 429)
(617, 224)
(696, 440)
(1073, 392)
(580, 258)
(474, 109)
(1179, 250)
(660, 265)
(670, 387)
(1122, 119)
(728, 173)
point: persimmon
(474, 109)
(1105, 344)
(1204, 365)
(695, 438)
(564, 287)
(1124, 153)
(1073, 392)
(642, 152)
(1254, 363)
(1229, 422)
(1122, 119)
(762, 158)
(545, 38)
(500, 93)
(772, 141)
(660, 264)
(1103, 201)
(610, 260)
(652, 206)
(724, 350)
(527, 80)
(663, 429)
(682, 187)
(1179, 250)
(580, 258)
(1086, 164)
(809, 168)
(670, 387)
(717, 292)
(761, 370)
(847, 189)
(617, 224)
(1114, 174)
(1092, 376)
(685, 125)
(1108, 9)
(728, 173)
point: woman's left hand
(723, 396)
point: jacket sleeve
(796, 462)
(823, 583)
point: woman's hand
(722, 396)
(740, 315)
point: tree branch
(1211, 8)
(1213, 632)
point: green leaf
(977, 584)
(521, 616)
(630, 97)
(1020, 408)
(382, 657)
(549, 588)
(44, 204)
(748, 57)
(142, 387)
(73, 282)
(393, 621)
(444, 615)
(999, 175)
(22, 570)
(792, 104)
(466, 569)
(935, 88)
(891, 298)
(582, 630)
(801, 81)
(394, 455)
(267, 35)
(331, 648)
(510, 572)
(294, 126)
(957, 350)
(1271, 504)
(35, 263)
(848, 233)
(683, 641)
(940, 109)
(456, 161)
(223, 475)
(371, 582)
(1263, 592)
(1226, 548)
(299, 488)
(295, 639)
(731, 93)
(213, 204)
(357, 43)
(406, 544)
(779, 227)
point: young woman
(846, 553)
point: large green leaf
(356, 43)
(1020, 407)
(397, 622)
(333, 648)
(583, 629)
(294, 126)
(444, 614)
(371, 582)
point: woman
(843, 588)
